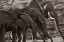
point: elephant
(14, 26)
(44, 8)
(7, 18)
(4, 19)
(50, 8)
(24, 23)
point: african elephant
(11, 18)
(44, 8)
(8, 18)
(49, 7)
(4, 19)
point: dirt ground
(59, 39)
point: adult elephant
(24, 23)
(47, 7)
(4, 19)
(44, 8)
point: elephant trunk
(56, 18)
(57, 23)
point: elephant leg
(47, 35)
(45, 32)
(43, 28)
(2, 33)
(24, 36)
(14, 32)
(19, 35)
(34, 34)
(36, 28)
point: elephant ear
(5, 18)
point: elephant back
(20, 23)
(5, 18)
(12, 13)
(26, 18)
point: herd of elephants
(33, 16)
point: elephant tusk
(45, 6)
(50, 16)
